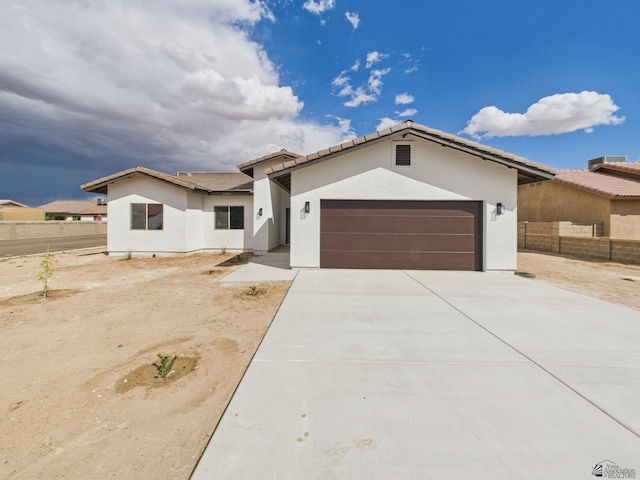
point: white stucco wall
(240, 240)
(188, 219)
(140, 189)
(268, 195)
(437, 173)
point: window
(146, 216)
(229, 218)
(403, 155)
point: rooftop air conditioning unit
(607, 159)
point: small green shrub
(128, 256)
(253, 290)
(47, 269)
(166, 364)
(223, 250)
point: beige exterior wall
(14, 214)
(43, 229)
(550, 201)
(625, 219)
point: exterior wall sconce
(307, 207)
(260, 212)
(500, 208)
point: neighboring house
(76, 210)
(608, 193)
(406, 197)
(11, 210)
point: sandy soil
(78, 397)
(612, 282)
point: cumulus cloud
(409, 112)
(177, 86)
(404, 99)
(375, 57)
(320, 6)
(353, 18)
(366, 93)
(556, 114)
(385, 123)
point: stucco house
(405, 197)
(76, 210)
(607, 195)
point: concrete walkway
(270, 267)
(418, 375)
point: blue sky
(91, 88)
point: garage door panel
(415, 212)
(385, 242)
(411, 260)
(398, 224)
(438, 235)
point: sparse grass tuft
(165, 366)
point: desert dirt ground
(612, 282)
(78, 395)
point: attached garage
(397, 234)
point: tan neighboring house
(76, 210)
(11, 210)
(606, 194)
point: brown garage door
(430, 235)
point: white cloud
(375, 57)
(320, 6)
(356, 66)
(385, 123)
(556, 114)
(409, 112)
(404, 99)
(353, 18)
(362, 95)
(375, 80)
(180, 85)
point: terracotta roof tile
(435, 135)
(606, 184)
(272, 156)
(631, 167)
(197, 182)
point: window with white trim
(229, 217)
(147, 216)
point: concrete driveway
(414, 375)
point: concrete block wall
(19, 230)
(625, 251)
(578, 240)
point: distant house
(406, 197)
(11, 210)
(606, 194)
(76, 210)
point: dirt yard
(78, 397)
(612, 282)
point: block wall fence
(20, 230)
(578, 240)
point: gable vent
(403, 155)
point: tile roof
(206, 183)
(629, 167)
(74, 207)
(11, 203)
(284, 153)
(605, 182)
(524, 166)
(219, 181)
